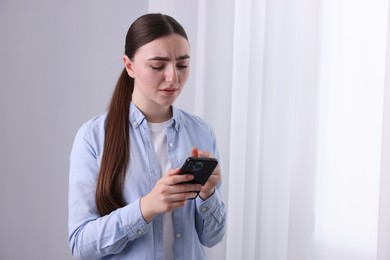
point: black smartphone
(200, 167)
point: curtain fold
(241, 193)
(384, 199)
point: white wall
(59, 61)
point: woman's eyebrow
(183, 57)
(159, 58)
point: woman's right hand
(168, 194)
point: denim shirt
(124, 234)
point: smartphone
(200, 167)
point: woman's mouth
(169, 91)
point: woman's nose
(171, 75)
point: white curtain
(299, 94)
(384, 198)
(273, 216)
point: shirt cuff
(211, 206)
(132, 220)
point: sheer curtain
(275, 208)
(298, 93)
(384, 198)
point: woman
(126, 198)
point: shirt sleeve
(210, 219)
(210, 216)
(92, 236)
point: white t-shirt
(159, 134)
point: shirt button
(139, 232)
(135, 123)
(204, 209)
(170, 145)
(178, 235)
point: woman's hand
(209, 187)
(167, 195)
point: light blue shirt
(124, 234)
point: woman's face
(160, 69)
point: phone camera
(195, 166)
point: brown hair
(116, 153)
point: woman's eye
(182, 66)
(157, 67)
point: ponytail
(109, 188)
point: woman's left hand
(209, 187)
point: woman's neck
(155, 114)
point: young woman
(126, 198)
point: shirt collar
(176, 118)
(137, 118)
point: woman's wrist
(206, 195)
(145, 210)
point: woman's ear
(128, 66)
